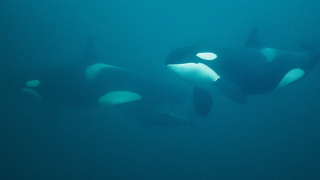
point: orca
(100, 85)
(90, 83)
(237, 72)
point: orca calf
(90, 83)
(248, 70)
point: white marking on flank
(207, 56)
(290, 77)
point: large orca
(237, 72)
(90, 83)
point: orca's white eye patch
(207, 56)
(32, 83)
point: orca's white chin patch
(199, 75)
(290, 77)
(118, 97)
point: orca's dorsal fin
(253, 39)
(89, 56)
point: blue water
(274, 136)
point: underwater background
(274, 136)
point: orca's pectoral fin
(202, 101)
(231, 90)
